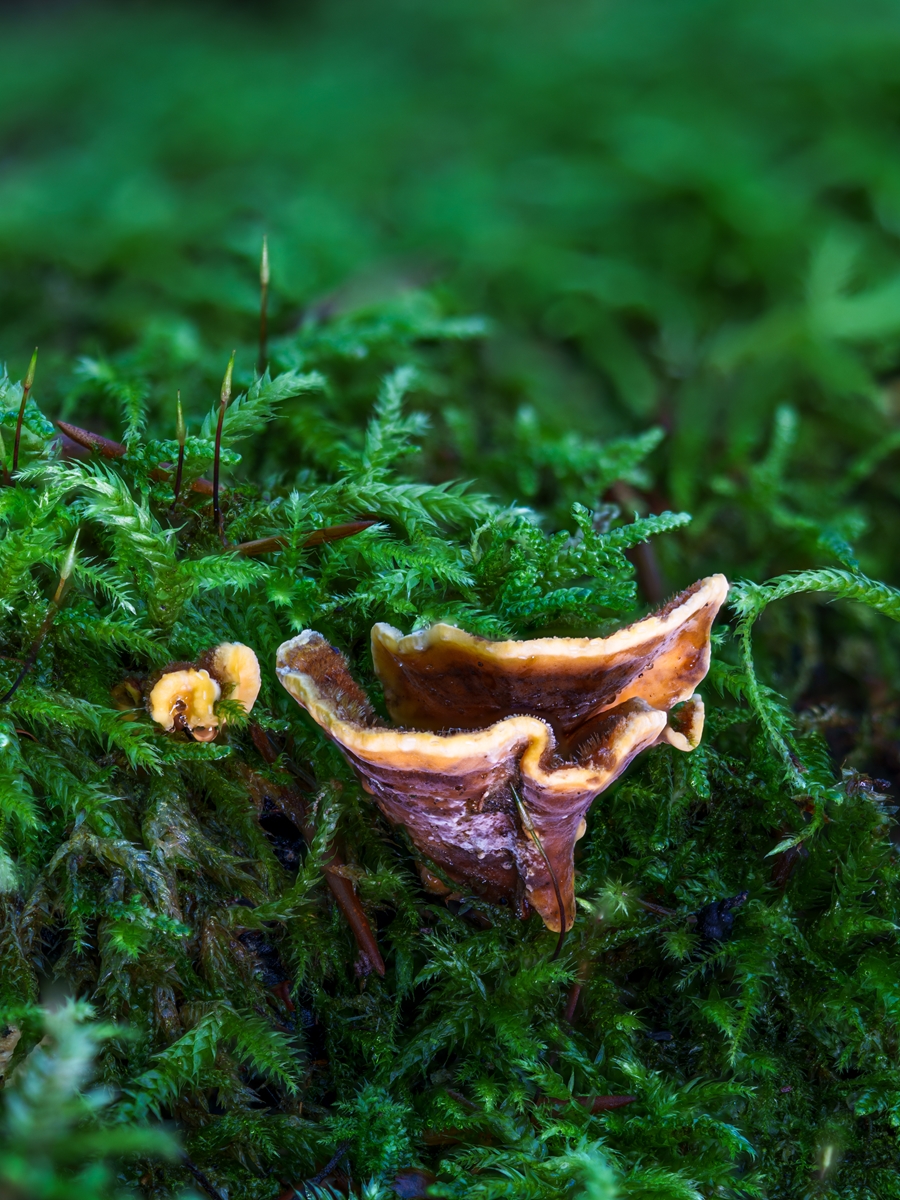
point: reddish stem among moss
(7, 479)
(109, 449)
(575, 992)
(331, 533)
(26, 388)
(224, 398)
(295, 809)
(49, 618)
(181, 435)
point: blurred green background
(681, 214)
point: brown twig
(572, 1002)
(107, 448)
(115, 450)
(93, 441)
(50, 616)
(262, 360)
(224, 397)
(295, 809)
(575, 992)
(348, 902)
(332, 533)
(26, 388)
(264, 545)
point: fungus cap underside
(443, 678)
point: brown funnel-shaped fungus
(184, 695)
(504, 745)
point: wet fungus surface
(183, 696)
(499, 748)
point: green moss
(126, 850)
(679, 222)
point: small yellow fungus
(183, 700)
(236, 666)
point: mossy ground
(607, 264)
